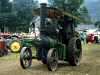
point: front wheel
(25, 57)
(52, 59)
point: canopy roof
(54, 13)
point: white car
(97, 34)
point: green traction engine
(57, 40)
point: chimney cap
(43, 4)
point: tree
(5, 6)
(71, 6)
(97, 24)
(16, 15)
(5, 11)
(66, 4)
(24, 12)
(84, 14)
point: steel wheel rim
(26, 58)
(53, 61)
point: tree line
(17, 15)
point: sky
(43, 1)
(40, 1)
(93, 7)
(92, 0)
(10, 0)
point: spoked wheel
(25, 57)
(74, 51)
(52, 59)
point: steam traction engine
(57, 40)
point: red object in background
(2, 44)
(3, 49)
(91, 38)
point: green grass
(87, 48)
(15, 56)
(10, 56)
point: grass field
(90, 64)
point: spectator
(83, 36)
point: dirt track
(90, 65)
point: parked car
(97, 35)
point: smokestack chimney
(43, 16)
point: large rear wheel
(25, 57)
(74, 51)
